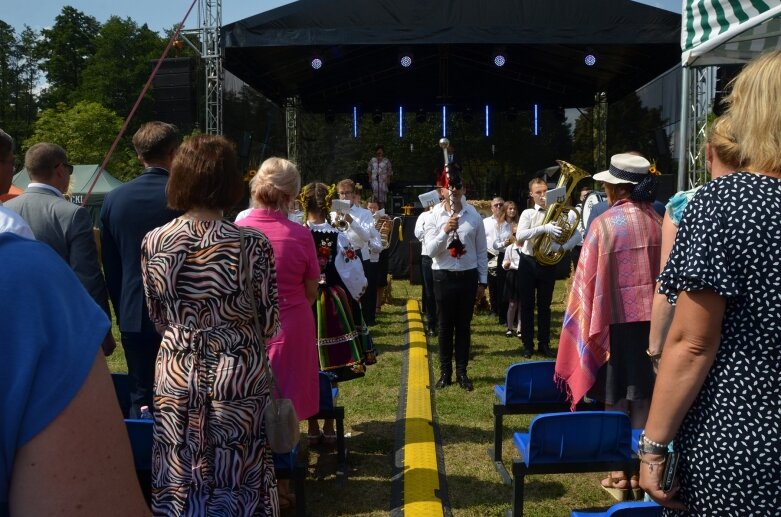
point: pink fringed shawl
(614, 283)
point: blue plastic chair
(628, 509)
(528, 389)
(586, 441)
(140, 434)
(122, 389)
(329, 410)
(287, 466)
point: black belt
(456, 274)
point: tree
(18, 75)
(86, 132)
(64, 50)
(116, 72)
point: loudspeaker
(666, 187)
(173, 89)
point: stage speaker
(173, 89)
(396, 203)
(415, 273)
(666, 187)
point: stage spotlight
(377, 116)
(406, 61)
(499, 57)
(316, 63)
(420, 116)
(590, 59)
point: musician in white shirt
(460, 271)
(359, 233)
(422, 224)
(536, 281)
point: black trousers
(429, 302)
(141, 354)
(369, 298)
(455, 293)
(536, 284)
(496, 289)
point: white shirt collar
(45, 186)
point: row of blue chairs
(286, 466)
(560, 441)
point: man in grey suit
(65, 227)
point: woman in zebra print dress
(210, 452)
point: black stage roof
(452, 43)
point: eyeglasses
(348, 193)
(67, 166)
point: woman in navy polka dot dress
(718, 392)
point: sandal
(617, 487)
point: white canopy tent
(716, 32)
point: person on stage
(380, 174)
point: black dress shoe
(547, 352)
(444, 380)
(464, 382)
(527, 353)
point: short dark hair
(155, 140)
(205, 174)
(42, 158)
(378, 148)
(6, 144)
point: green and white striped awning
(722, 32)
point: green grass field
(465, 422)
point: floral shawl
(614, 283)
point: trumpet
(340, 223)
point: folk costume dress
(343, 341)
(210, 452)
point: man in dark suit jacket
(128, 213)
(66, 227)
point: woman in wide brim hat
(602, 349)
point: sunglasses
(67, 165)
(498, 205)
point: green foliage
(86, 132)
(64, 50)
(18, 75)
(116, 72)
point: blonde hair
(723, 143)
(276, 183)
(755, 118)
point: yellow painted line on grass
(421, 473)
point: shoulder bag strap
(262, 345)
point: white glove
(551, 229)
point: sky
(160, 14)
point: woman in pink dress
(293, 351)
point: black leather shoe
(464, 382)
(444, 380)
(527, 353)
(547, 352)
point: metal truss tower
(698, 86)
(210, 14)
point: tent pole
(683, 131)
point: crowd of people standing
(201, 300)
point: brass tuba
(384, 225)
(545, 253)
